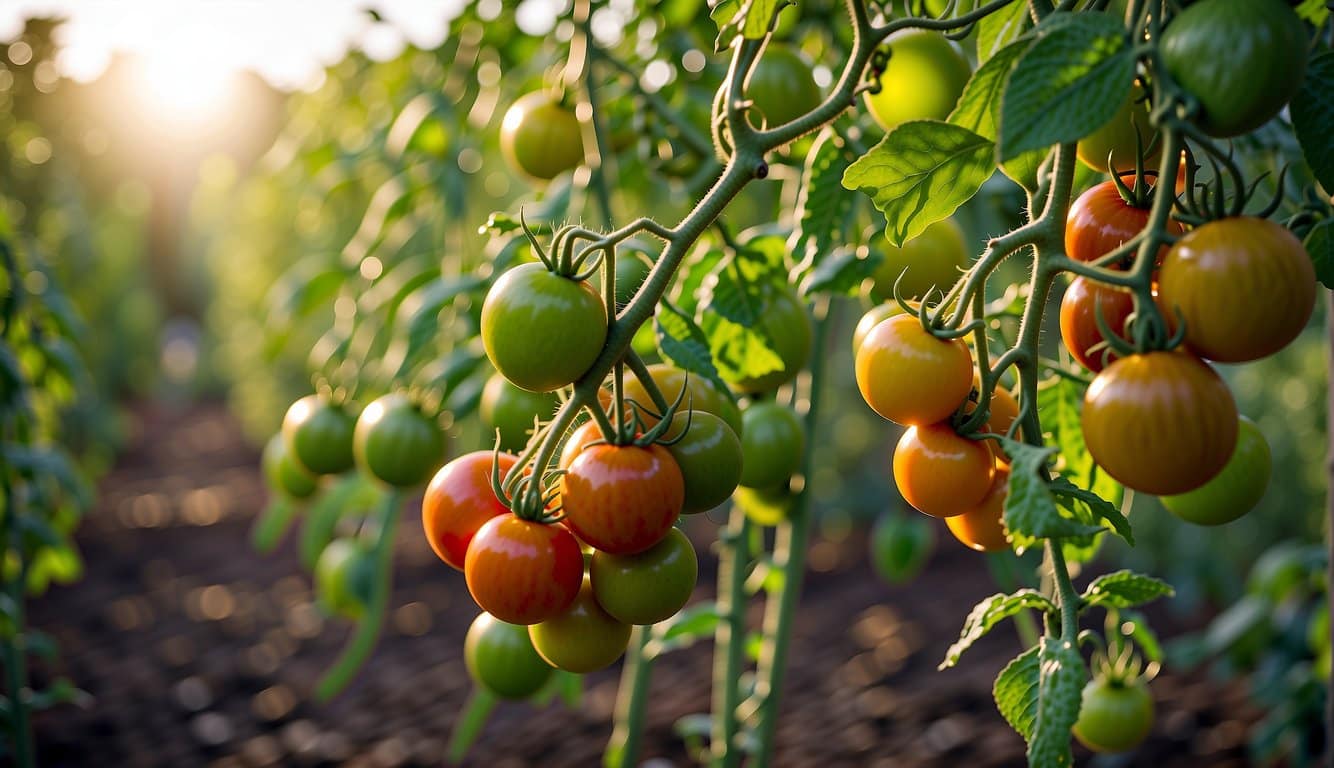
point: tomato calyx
(1226, 195)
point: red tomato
(622, 499)
(941, 473)
(521, 571)
(585, 433)
(1099, 221)
(1079, 323)
(459, 500)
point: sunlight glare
(186, 86)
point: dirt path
(198, 651)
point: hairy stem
(729, 637)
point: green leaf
(1059, 403)
(921, 173)
(1067, 85)
(272, 524)
(423, 310)
(1016, 692)
(1030, 509)
(1312, 115)
(1142, 634)
(978, 109)
(1001, 28)
(1061, 678)
(1097, 507)
(682, 343)
(843, 272)
(1124, 589)
(747, 18)
(822, 204)
(1023, 170)
(692, 624)
(1320, 245)
(987, 614)
(1314, 11)
(469, 723)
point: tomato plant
(785, 322)
(528, 301)
(500, 657)
(1128, 132)
(1101, 220)
(698, 392)
(284, 474)
(1114, 716)
(909, 376)
(319, 435)
(647, 587)
(459, 499)
(709, 455)
(982, 527)
(1081, 304)
(522, 571)
(941, 473)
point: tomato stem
(729, 637)
(631, 703)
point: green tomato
(584, 638)
(319, 435)
(1242, 59)
(345, 578)
(1114, 717)
(710, 457)
(1119, 136)
(787, 326)
(771, 445)
(781, 86)
(648, 587)
(540, 138)
(397, 443)
(632, 268)
(1236, 489)
(501, 659)
(765, 506)
(511, 410)
(540, 330)
(923, 80)
(900, 546)
(934, 259)
(284, 474)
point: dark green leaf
(1061, 678)
(1067, 85)
(987, 614)
(746, 18)
(1320, 245)
(1124, 589)
(682, 343)
(1066, 493)
(920, 173)
(978, 109)
(822, 204)
(1016, 692)
(1030, 509)
(1312, 115)
(1001, 28)
(843, 271)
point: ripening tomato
(1242, 59)
(345, 578)
(540, 138)
(583, 638)
(940, 473)
(511, 411)
(397, 443)
(1161, 423)
(284, 474)
(1128, 129)
(700, 395)
(1234, 491)
(648, 587)
(319, 435)
(521, 571)
(579, 439)
(1244, 286)
(709, 455)
(1004, 410)
(771, 446)
(501, 659)
(459, 499)
(983, 527)
(1079, 320)
(909, 376)
(871, 319)
(1114, 717)
(934, 259)
(622, 499)
(781, 86)
(787, 326)
(1100, 221)
(542, 330)
(923, 80)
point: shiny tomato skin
(1117, 137)
(649, 587)
(1161, 423)
(700, 395)
(1100, 221)
(500, 658)
(319, 435)
(583, 435)
(1079, 320)
(982, 527)
(1244, 286)
(397, 443)
(870, 320)
(709, 456)
(1004, 410)
(910, 377)
(540, 138)
(511, 411)
(583, 638)
(934, 260)
(1114, 717)
(283, 472)
(923, 80)
(541, 330)
(1242, 59)
(787, 326)
(1234, 491)
(523, 572)
(458, 500)
(772, 446)
(940, 473)
(622, 499)
(345, 578)
(781, 87)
